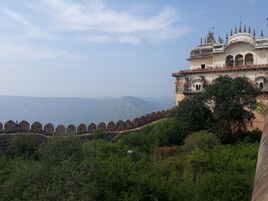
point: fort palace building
(243, 53)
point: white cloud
(96, 17)
(79, 16)
(129, 40)
(73, 19)
(33, 30)
(98, 39)
(168, 34)
(17, 51)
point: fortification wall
(83, 131)
(49, 129)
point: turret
(262, 35)
(210, 38)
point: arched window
(261, 85)
(198, 83)
(198, 87)
(229, 61)
(261, 82)
(249, 60)
(239, 61)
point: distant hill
(78, 110)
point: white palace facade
(242, 54)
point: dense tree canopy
(232, 101)
(194, 114)
(226, 108)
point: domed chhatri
(243, 53)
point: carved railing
(220, 69)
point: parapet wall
(49, 129)
(260, 191)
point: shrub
(99, 134)
(100, 149)
(252, 136)
(25, 146)
(164, 133)
(201, 140)
(61, 148)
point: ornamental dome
(202, 50)
(241, 38)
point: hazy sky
(87, 48)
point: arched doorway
(249, 60)
(239, 61)
(229, 60)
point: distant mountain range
(78, 110)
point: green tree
(194, 114)
(233, 102)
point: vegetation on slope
(174, 159)
(68, 169)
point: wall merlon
(49, 129)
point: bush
(201, 140)
(61, 148)
(164, 133)
(99, 149)
(252, 136)
(99, 134)
(25, 146)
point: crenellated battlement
(50, 130)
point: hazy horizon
(104, 48)
(70, 110)
(89, 97)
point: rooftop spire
(254, 33)
(249, 30)
(210, 38)
(245, 29)
(231, 33)
(201, 41)
(220, 39)
(262, 33)
(235, 30)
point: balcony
(221, 69)
(191, 91)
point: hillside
(77, 110)
(147, 165)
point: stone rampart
(84, 132)
(50, 129)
